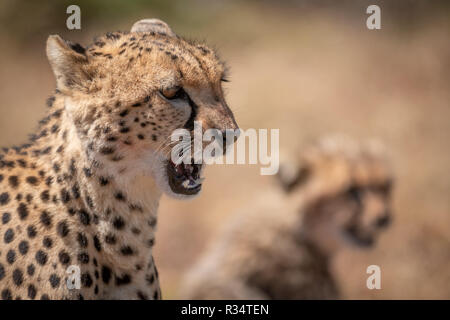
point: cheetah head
(127, 92)
(346, 187)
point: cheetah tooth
(189, 184)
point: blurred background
(307, 68)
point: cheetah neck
(119, 211)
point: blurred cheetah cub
(335, 194)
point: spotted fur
(85, 190)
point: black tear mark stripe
(194, 110)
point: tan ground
(307, 76)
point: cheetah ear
(67, 60)
(152, 25)
(291, 176)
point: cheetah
(334, 194)
(81, 198)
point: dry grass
(307, 76)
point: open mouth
(184, 178)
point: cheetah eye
(174, 93)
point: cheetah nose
(384, 221)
